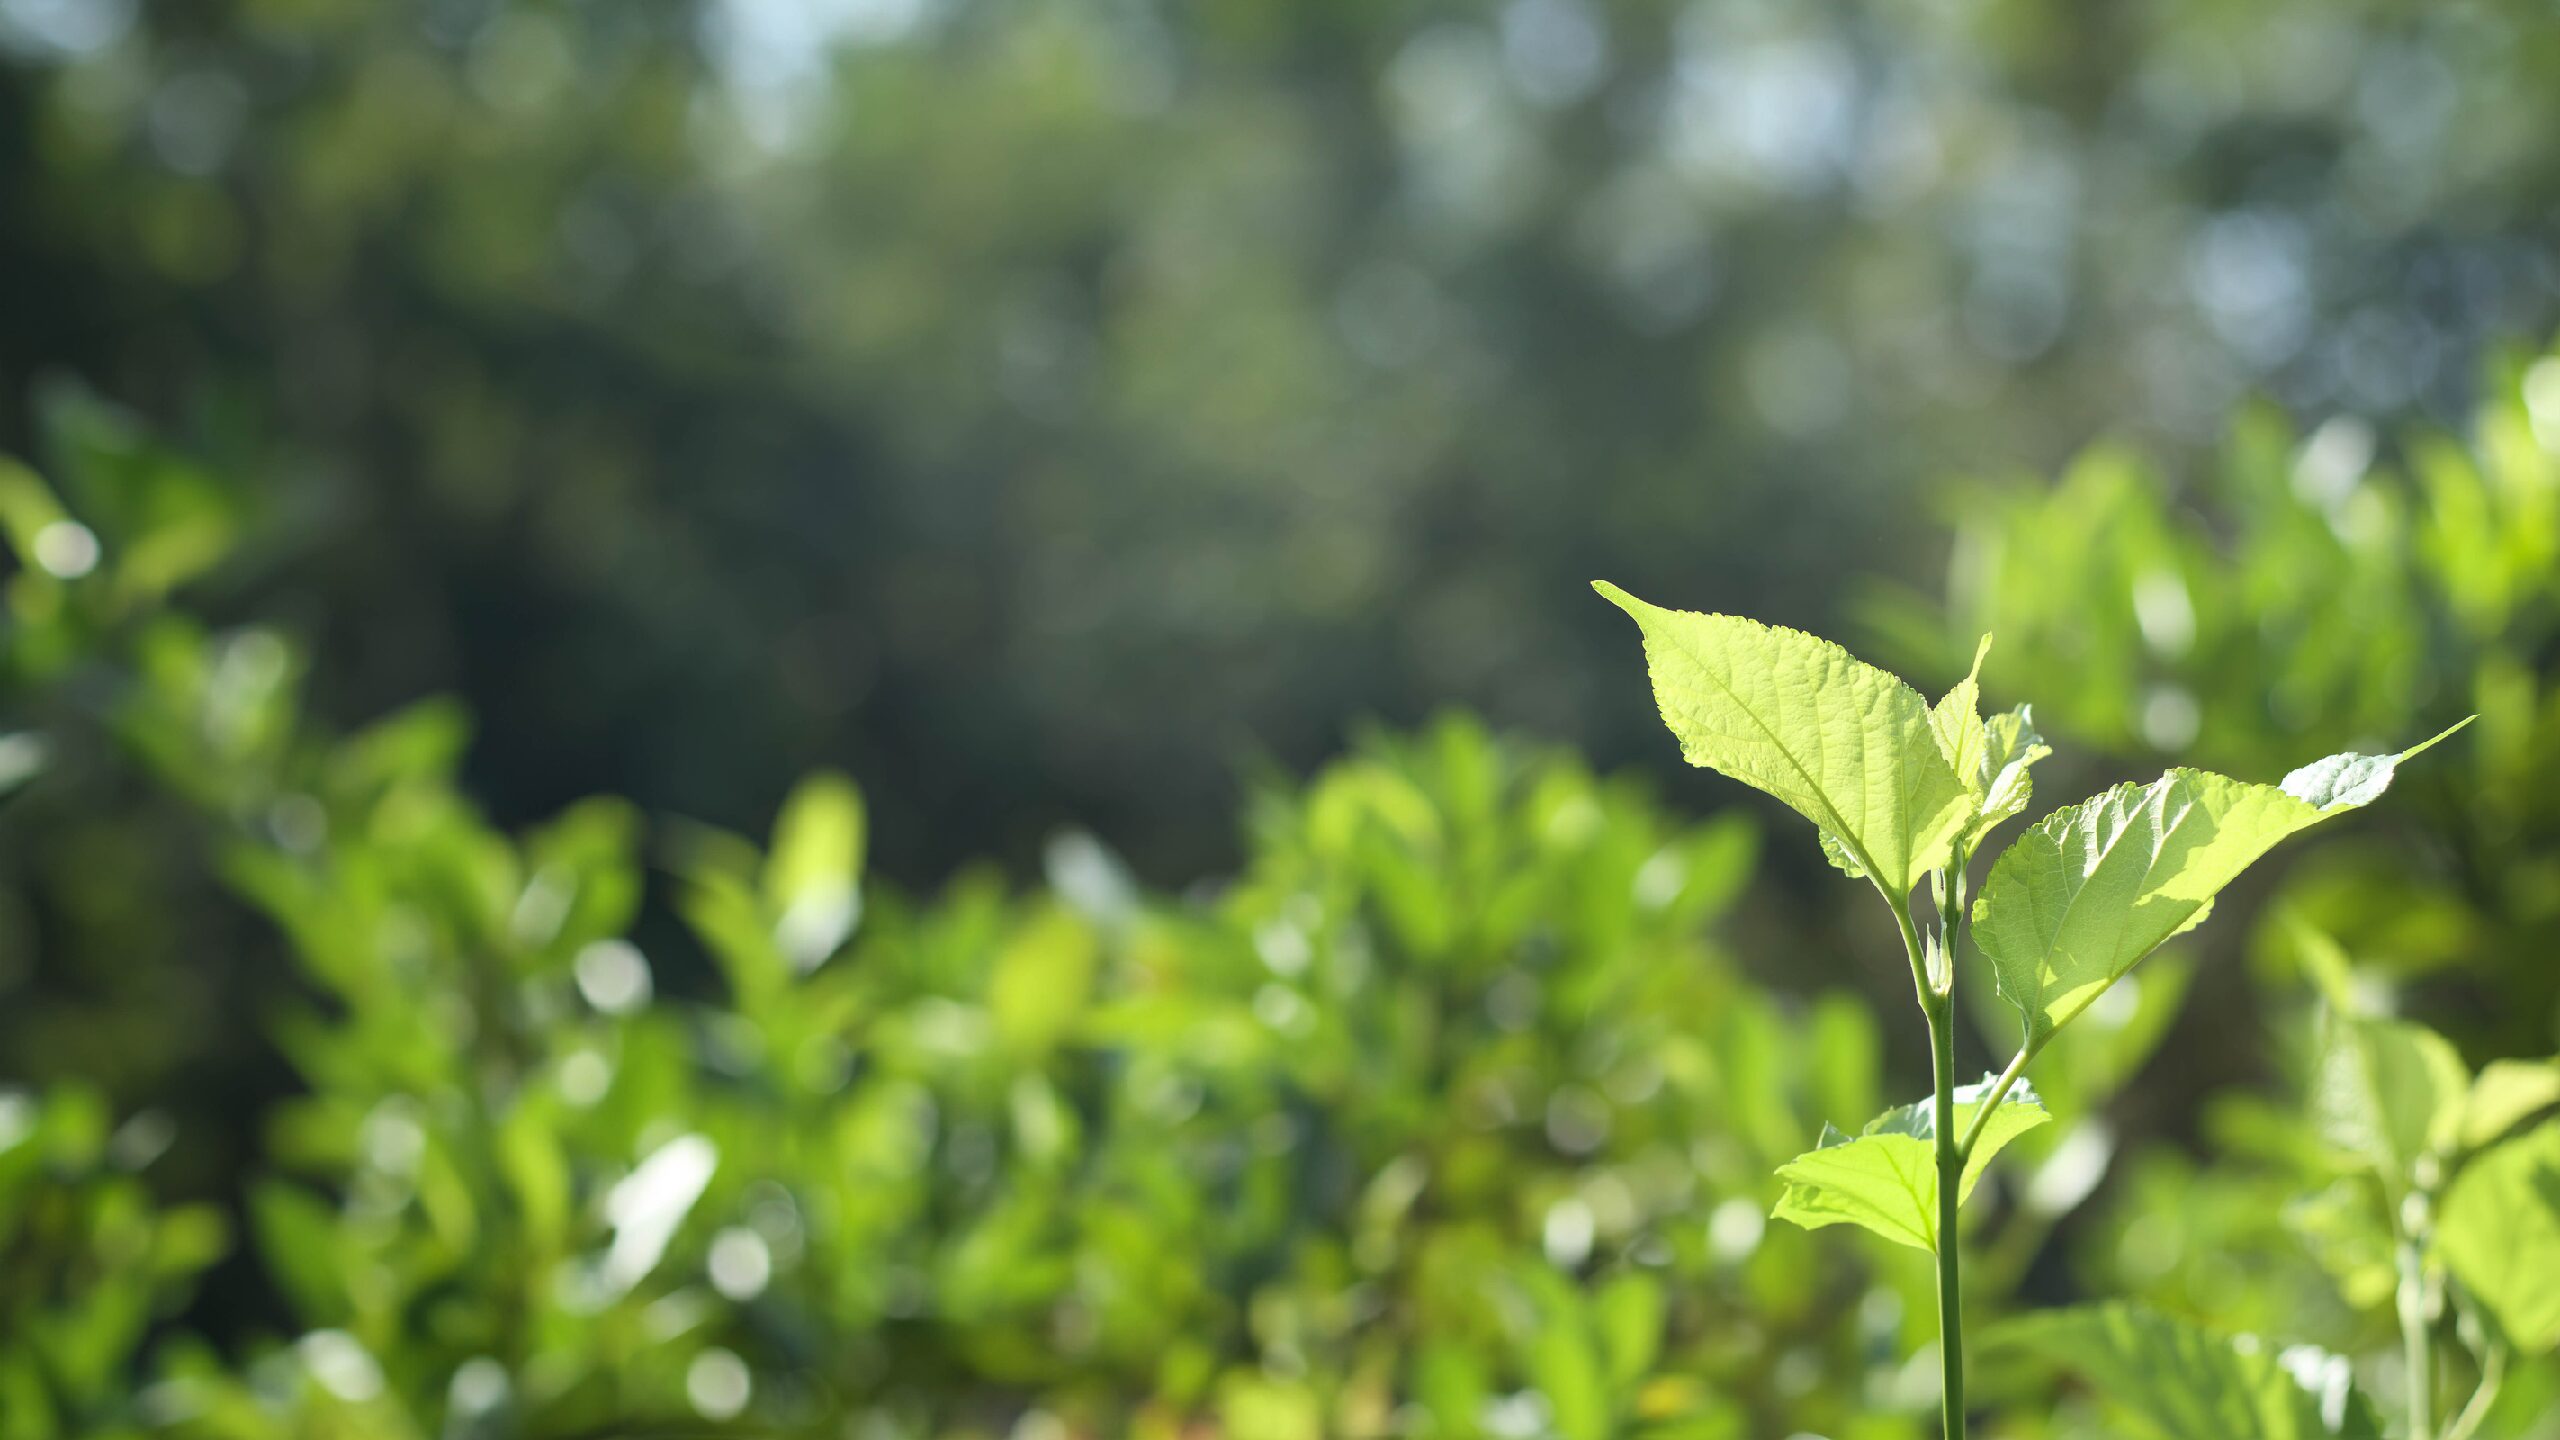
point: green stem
(1942, 1046)
(1991, 1102)
(2493, 1370)
(1912, 947)
(2414, 1348)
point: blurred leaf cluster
(1448, 1114)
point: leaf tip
(2438, 738)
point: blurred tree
(1028, 404)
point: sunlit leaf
(1844, 744)
(1956, 720)
(1885, 1178)
(2508, 1093)
(2499, 1233)
(1043, 979)
(2089, 890)
(2011, 749)
(1566, 1364)
(812, 883)
(2178, 1382)
(1628, 1315)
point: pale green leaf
(2011, 749)
(2388, 1092)
(2507, 1093)
(1566, 1365)
(2178, 1382)
(537, 1174)
(812, 883)
(1957, 723)
(2499, 1232)
(1043, 979)
(1627, 1315)
(1844, 744)
(2089, 890)
(1884, 1183)
(1839, 856)
(1992, 758)
(1885, 1178)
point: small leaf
(2012, 747)
(1957, 723)
(812, 883)
(1885, 1178)
(1628, 1314)
(1043, 979)
(1844, 744)
(537, 1174)
(1565, 1365)
(1991, 758)
(1839, 856)
(2499, 1233)
(2089, 890)
(2179, 1382)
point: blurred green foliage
(1451, 1113)
(1447, 1106)
(1026, 407)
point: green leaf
(1627, 1313)
(2388, 1092)
(537, 1174)
(1885, 1178)
(1565, 1365)
(2089, 890)
(2507, 1093)
(2499, 1233)
(1043, 979)
(2011, 749)
(2178, 1382)
(297, 1235)
(1844, 744)
(1991, 758)
(1956, 721)
(811, 883)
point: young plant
(1903, 792)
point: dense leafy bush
(1447, 1106)
(1453, 1112)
